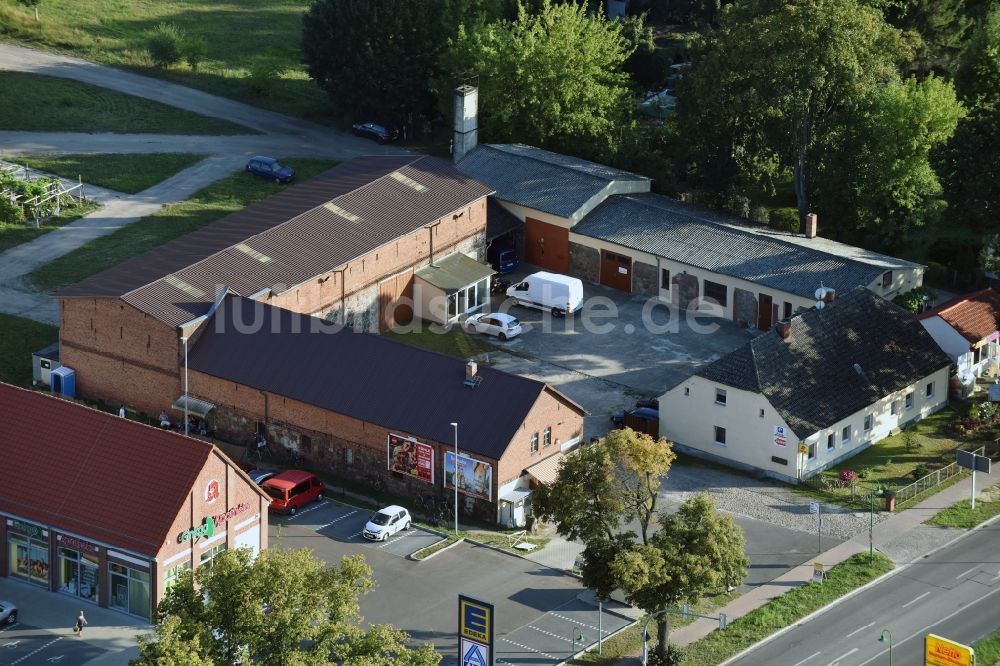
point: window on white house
(664, 279)
(886, 279)
(762, 413)
(831, 442)
(720, 396)
(897, 407)
(845, 436)
(909, 400)
(869, 422)
(687, 390)
(717, 292)
(930, 389)
(812, 450)
(720, 435)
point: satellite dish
(820, 305)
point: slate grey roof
(811, 380)
(365, 376)
(303, 231)
(454, 272)
(543, 180)
(731, 246)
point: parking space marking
(548, 633)
(569, 619)
(336, 520)
(299, 514)
(32, 654)
(354, 535)
(530, 649)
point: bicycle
(294, 458)
(258, 449)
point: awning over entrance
(454, 273)
(515, 495)
(546, 470)
(195, 407)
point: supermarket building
(110, 510)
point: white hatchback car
(499, 324)
(386, 522)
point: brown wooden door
(395, 297)
(764, 303)
(616, 271)
(546, 245)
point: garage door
(546, 245)
(395, 299)
(249, 539)
(616, 271)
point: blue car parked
(270, 168)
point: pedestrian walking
(81, 622)
(121, 411)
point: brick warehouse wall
(119, 353)
(550, 411)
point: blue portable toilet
(63, 382)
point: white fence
(49, 202)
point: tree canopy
(284, 607)
(552, 79)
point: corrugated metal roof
(290, 237)
(730, 246)
(540, 179)
(454, 272)
(364, 376)
(105, 477)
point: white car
(499, 324)
(386, 522)
(8, 613)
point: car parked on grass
(293, 489)
(374, 131)
(497, 324)
(8, 613)
(386, 522)
(270, 168)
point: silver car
(8, 613)
(499, 324)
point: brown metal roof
(304, 231)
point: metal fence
(927, 482)
(46, 204)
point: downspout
(265, 412)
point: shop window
(717, 292)
(720, 435)
(845, 435)
(129, 590)
(534, 442)
(78, 574)
(720, 396)
(831, 442)
(664, 279)
(909, 400)
(547, 437)
(29, 557)
(211, 553)
(171, 577)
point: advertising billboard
(475, 477)
(939, 651)
(408, 456)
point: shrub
(786, 219)
(866, 472)
(760, 214)
(193, 50)
(10, 213)
(910, 440)
(164, 44)
(848, 477)
(913, 299)
(920, 471)
(265, 72)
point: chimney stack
(784, 329)
(466, 121)
(812, 222)
(470, 369)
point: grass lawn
(453, 342)
(962, 515)
(784, 611)
(50, 104)
(18, 339)
(114, 32)
(130, 173)
(15, 234)
(988, 650)
(226, 196)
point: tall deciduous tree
(939, 26)
(978, 77)
(552, 78)
(697, 552)
(284, 607)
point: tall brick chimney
(466, 121)
(812, 222)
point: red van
(293, 489)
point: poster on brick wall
(408, 456)
(475, 477)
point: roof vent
(472, 380)
(857, 369)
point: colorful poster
(475, 477)
(408, 456)
(780, 436)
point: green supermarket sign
(206, 529)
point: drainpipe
(265, 412)
(430, 229)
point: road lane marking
(799, 663)
(336, 520)
(843, 656)
(913, 601)
(859, 629)
(32, 654)
(966, 573)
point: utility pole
(454, 476)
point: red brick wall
(119, 353)
(550, 411)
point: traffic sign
(813, 507)
(970, 460)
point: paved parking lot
(537, 607)
(344, 523)
(24, 645)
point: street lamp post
(186, 425)
(454, 476)
(886, 637)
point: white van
(549, 291)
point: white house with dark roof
(817, 389)
(603, 225)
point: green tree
(939, 28)
(284, 607)
(377, 58)
(164, 44)
(697, 552)
(171, 644)
(978, 77)
(552, 78)
(770, 82)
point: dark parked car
(375, 131)
(618, 418)
(270, 168)
(8, 613)
(259, 476)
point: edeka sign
(206, 529)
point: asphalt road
(25, 645)
(953, 593)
